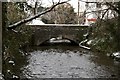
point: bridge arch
(63, 40)
(45, 32)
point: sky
(74, 3)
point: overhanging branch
(13, 26)
(113, 7)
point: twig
(13, 26)
(113, 7)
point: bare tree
(101, 12)
(13, 26)
(111, 7)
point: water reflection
(68, 62)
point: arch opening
(58, 41)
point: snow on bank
(1, 76)
(116, 55)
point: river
(68, 62)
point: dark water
(69, 62)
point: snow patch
(89, 42)
(1, 76)
(85, 47)
(36, 22)
(14, 76)
(116, 54)
(11, 62)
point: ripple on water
(57, 63)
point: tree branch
(13, 26)
(104, 13)
(113, 7)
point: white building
(96, 10)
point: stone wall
(45, 33)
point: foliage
(15, 12)
(106, 33)
(13, 40)
(62, 14)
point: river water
(68, 62)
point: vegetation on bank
(13, 40)
(105, 36)
(105, 32)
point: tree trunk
(35, 8)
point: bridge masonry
(43, 33)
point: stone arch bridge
(73, 32)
